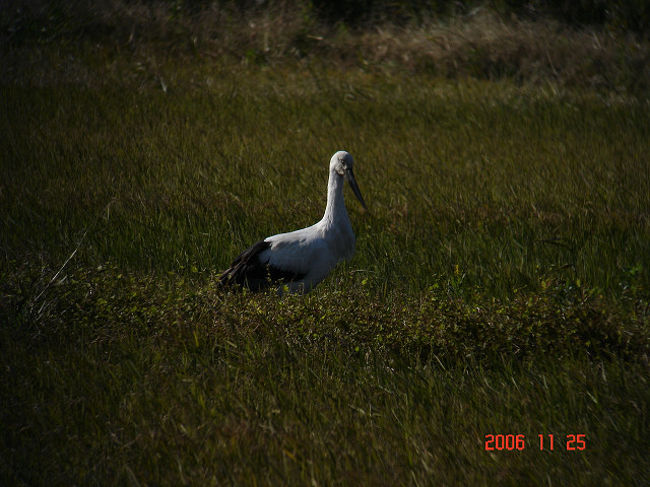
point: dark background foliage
(631, 15)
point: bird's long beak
(353, 182)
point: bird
(297, 261)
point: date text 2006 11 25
(512, 442)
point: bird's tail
(246, 270)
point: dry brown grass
(480, 44)
(485, 46)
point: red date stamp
(548, 442)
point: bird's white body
(309, 254)
(315, 250)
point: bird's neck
(335, 208)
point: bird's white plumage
(309, 253)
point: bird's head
(342, 163)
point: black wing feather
(249, 271)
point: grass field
(500, 283)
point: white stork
(303, 258)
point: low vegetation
(604, 46)
(500, 284)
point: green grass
(506, 183)
(500, 284)
(168, 381)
